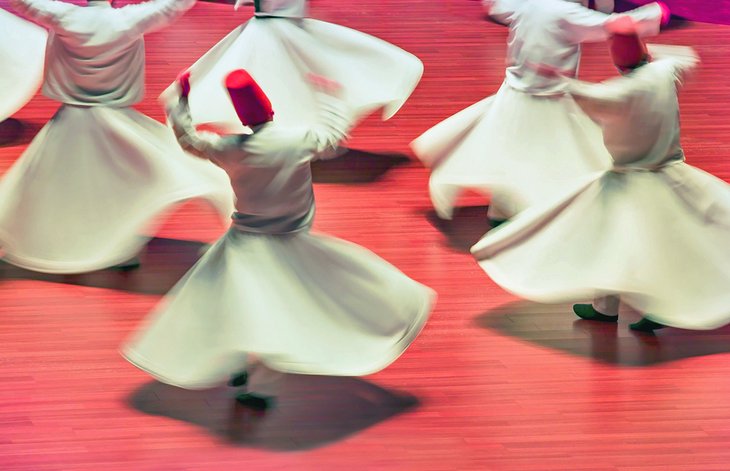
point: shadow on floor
(555, 326)
(468, 225)
(163, 263)
(356, 166)
(14, 132)
(309, 411)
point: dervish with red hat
(269, 290)
(652, 232)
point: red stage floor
(493, 383)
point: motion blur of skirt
(659, 239)
(91, 182)
(280, 52)
(518, 148)
(22, 52)
(300, 303)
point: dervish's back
(95, 53)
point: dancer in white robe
(22, 49)
(528, 140)
(298, 302)
(653, 231)
(280, 46)
(96, 176)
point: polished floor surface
(493, 383)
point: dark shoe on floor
(646, 325)
(586, 311)
(496, 222)
(238, 380)
(131, 264)
(254, 401)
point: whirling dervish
(269, 290)
(96, 176)
(651, 232)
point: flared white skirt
(91, 182)
(280, 52)
(22, 52)
(661, 240)
(517, 148)
(299, 303)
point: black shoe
(496, 222)
(131, 264)
(254, 401)
(238, 380)
(646, 325)
(586, 311)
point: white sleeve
(501, 11)
(648, 19)
(333, 124)
(45, 12)
(603, 101)
(681, 59)
(611, 91)
(674, 60)
(608, 99)
(201, 145)
(581, 24)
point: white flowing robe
(99, 172)
(301, 303)
(279, 47)
(654, 230)
(22, 49)
(530, 139)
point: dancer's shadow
(14, 132)
(356, 166)
(464, 229)
(163, 263)
(309, 412)
(555, 326)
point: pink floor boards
(493, 383)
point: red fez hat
(250, 102)
(628, 51)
